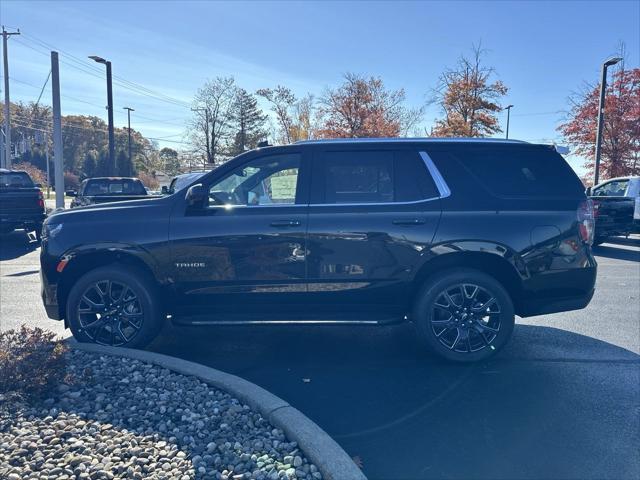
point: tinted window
(357, 177)
(15, 180)
(412, 179)
(107, 186)
(616, 188)
(515, 171)
(268, 180)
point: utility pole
(508, 109)
(58, 161)
(7, 104)
(208, 158)
(603, 89)
(129, 110)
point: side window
(413, 181)
(521, 171)
(357, 177)
(271, 180)
(617, 188)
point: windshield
(15, 180)
(105, 186)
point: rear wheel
(464, 315)
(114, 306)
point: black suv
(456, 236)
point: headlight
(50, 231)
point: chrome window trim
(443, 190)
(439, 180)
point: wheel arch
(495, 265)
(82, 262)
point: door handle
(286, 223)
(408, 221)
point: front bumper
(49, 294)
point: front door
(372, 217)
(244, 250)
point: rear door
(373, 215)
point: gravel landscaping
(122, 418)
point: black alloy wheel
(110, 313)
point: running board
(239, 319)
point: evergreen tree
(90, 165)
(248, 123)
(124, 167)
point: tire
(445, 327)
(38, 231)
(130, 315)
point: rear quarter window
(515, 171)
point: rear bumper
(12, 221)
(531, 308)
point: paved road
(562, 401)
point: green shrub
(32, 362)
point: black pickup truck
(616, 205)
(106, 190)
(21, 202)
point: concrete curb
(332, 461)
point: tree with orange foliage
(363, 107)
(621, 130)
(468, 99)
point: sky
(542, 50)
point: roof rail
(409, 140)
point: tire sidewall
(430, 292)
(141, 286)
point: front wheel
(464, 315)
(114, 306)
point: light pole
(508, 109)
(129, 110)
(112, 147)
(603, 89)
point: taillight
(586, 222)
(41, 200)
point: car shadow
(16, 244)
(608, 250)
(548, 406)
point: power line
(81, 65)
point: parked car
(616, 204)
(456, 236)
(107, 190)
(21, 202)
(180, 181)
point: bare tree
(209, 127)
(282, 101)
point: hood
(108, 211)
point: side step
(288, 319)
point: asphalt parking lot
(562, 401)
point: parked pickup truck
(106, 190)
(616, 204)
(21, 202)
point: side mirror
(588, 191)
(39, 185)
(197, 196)
(71, 193)
(164, 190)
